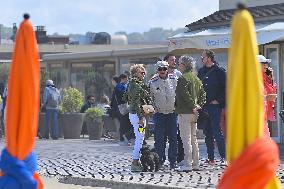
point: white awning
(220, 37)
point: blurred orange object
(23, 95)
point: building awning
(220, 37)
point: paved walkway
(106, 164)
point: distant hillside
(154, 35)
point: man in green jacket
(190, 96)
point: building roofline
(261, 14)
(106, 53)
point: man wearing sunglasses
(162, 89)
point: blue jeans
(212, 130)
(51, 118)
(166, 125)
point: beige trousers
(188, 128)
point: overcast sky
(80, 16)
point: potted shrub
(94, 122)
(71, 119)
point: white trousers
(139, 136)
(188, 128)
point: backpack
(53, 98)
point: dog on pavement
(149, 159)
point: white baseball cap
(262, 59)
(49, 82)
(162, 64)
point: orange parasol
(18, 162)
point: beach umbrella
(253, 158)
(18, 161)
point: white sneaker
(184, 168)
(181, 163)
(196, 168)
(131, 142)
(123, 143)
(125, 138)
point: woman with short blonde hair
(137, 95)
(135, 69)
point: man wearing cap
(51, 99)
(270, 91)
(162, 89)
(190, 96)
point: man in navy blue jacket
(213, 78)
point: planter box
(108, 124)
(41, 125)
(95, 129)
(72, 125)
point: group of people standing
(177, 96)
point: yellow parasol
(252, 166)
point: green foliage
(93, 114)
(72, 100)
(152, 36)
(95, 83)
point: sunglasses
(162, 69)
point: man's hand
(141, 122)
(214, 102)
(195, 110)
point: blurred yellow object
(245, 98)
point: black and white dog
(149, 159)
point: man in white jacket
(162, 89)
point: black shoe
(54, 138)
(39, 136)
(173, 166)
(46, 137)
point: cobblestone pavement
(107, 161)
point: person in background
(126, 129)
(90, 103)
(171, 59)
(162, 89)
(213, 78)
(3, 110)
(104, 104)
(137, 95)
(190, 97)
(51, 99)
(114, 112)
(270, 91)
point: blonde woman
(137, 95)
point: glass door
(272, 52)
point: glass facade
(59, 75)
(93, 77)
